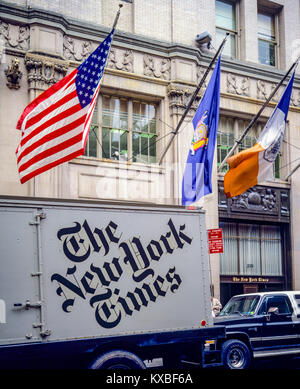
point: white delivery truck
(104, 285)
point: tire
(235, 355)
(118, 359)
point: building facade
(152, 71)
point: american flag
(56, 124)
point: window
(251, 249)
(225, 139)
(281, 302)
(230, 129)
(128, 131)
(226, 22)
(266, 39)
(241, 305)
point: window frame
(275, 42)
(237, 255)
(236, 32)
(98, 116)
(270, 297)
(236, 134)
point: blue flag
(196, 181)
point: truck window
(241, 305)
(281, 302)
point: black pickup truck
(260, 325)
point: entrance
(250, 288)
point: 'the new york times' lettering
(99, 284)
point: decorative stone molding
(264, 89)
(260, 201)
(238, 85)
(15, 36)
(13, 74)
(76, 50)
(120, 60)
(157, 67)
(179, 97)
(295, 98)
(200, 73)
(44, 71)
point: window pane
(123, 146)
(114, 124)
(105, 143)
(144, 148)
(115, 139)
(152, 150)
(271, 250)
(229, 258)
(276, 166)
(136, 116)
(225, 15)
(266, 53)
(91, 144)
(251, 137)
(92, 141)
(106, 114)
(249, 249)
(225, 139)
(266, 29)
(230, 47)
(115, 112)
(135, 146)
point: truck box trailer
(104, 284)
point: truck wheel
(235, 355)
(118, 359)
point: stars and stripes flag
(56, 124)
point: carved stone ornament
(238, 85)
(262, 93)
(259, 200)
(76, 50)
(156, 67)
(179, 97)
(13, 74)
(295, 98)
(120, 60)
(200, 73)
(15, 36)
(44, 71)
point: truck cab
(260, 325)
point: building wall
(50, 38)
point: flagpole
(292, 172)
(175, 132)
(117, 16)
(237, 142)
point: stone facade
(153, 56)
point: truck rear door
(19, 275)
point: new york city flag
(196, 181)
(253, 166)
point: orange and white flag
(253, 166)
